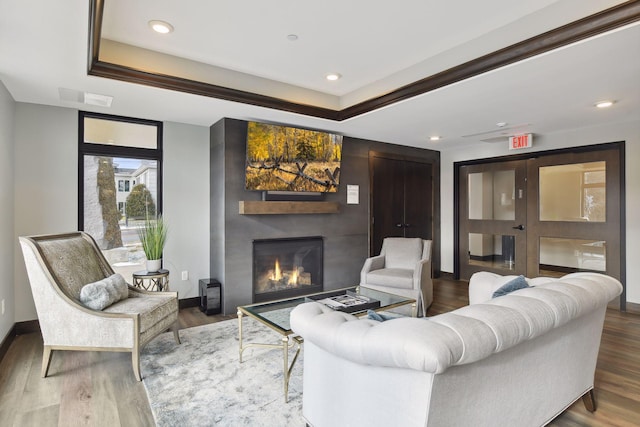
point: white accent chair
(402, 268)
(58, 267)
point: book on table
(349, 302)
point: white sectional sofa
(515, 360)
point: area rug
(201, 382)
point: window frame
(106, 150)
(597, 185)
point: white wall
(46, 165)
(46, 183)
(186, 205)
(7, 116)
(629, 132)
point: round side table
(151, 280)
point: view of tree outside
(112, 214)
(140, 204)
(107, 198)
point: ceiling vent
(501, 134)
(87, 98)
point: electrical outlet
(185, 275)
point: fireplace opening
(287, 268)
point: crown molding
(593, 25)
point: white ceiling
(43, 47)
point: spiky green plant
(152, 235)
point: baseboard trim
(27, 327)
(18, 328)
(6, 342)
(445, 276)
(188, 302)
(633, 308)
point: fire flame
(293, 279)
(277, 274)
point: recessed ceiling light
(292, 37)
(501, 124)
(333, 76)
(161, 27)
(604, 104)
(434, 138)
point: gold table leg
(285, 371)
(240, 350)
(285, 346)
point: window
(573, 192)
(123, 185)
(594, 194)
(120, 184)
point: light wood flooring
(98, 389)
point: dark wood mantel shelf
(278, 208)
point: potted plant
(153, 235)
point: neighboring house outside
(125, 181)
(127, 178)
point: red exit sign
(520, 141)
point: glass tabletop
(276, 313)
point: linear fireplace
(286, 268)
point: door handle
(518, 227)
(399, 225)
(407, 225)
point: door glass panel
(492, 195)
(573, 192)
(489, 250)
(560, 256)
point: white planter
(154, 265)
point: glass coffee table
(275, 315)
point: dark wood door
(548, 215)
(401, 200)
(387, 209)
(418, 200)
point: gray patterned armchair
(59, 267)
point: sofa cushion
(512, 285)
(102, 293)
(395, 277)
(400, 252)
(152, 308)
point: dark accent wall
(346, 238)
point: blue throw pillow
(512, 285)
(379, 317)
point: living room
(39, 170)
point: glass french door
(574, 214)
(545, 216)
(493, 214)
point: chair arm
(134, 290)
(370, 264)
(59, 321)
(422, 273)
(422, 281)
